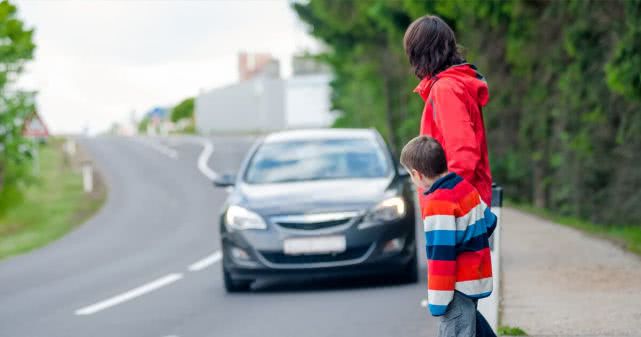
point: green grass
(49, 207)
(628, 237)
(511, 331)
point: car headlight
(388, 210)
(239, 218)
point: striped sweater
(457, 226)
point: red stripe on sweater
(473, 265)
(440, 267)
(441, 282)
(455, 194)
(468, 202)
(457, 202)
(439, 207)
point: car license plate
(315, 245)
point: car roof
(309, 134)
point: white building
(251, 106)
(266, 103)
(307, 101)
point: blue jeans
(462, 319)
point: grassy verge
(511, 331)
(628, 237)
(50, 206)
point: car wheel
(235, 286)
(409, 274)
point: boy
(457, 224)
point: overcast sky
(97, 61)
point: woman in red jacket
(454, 93)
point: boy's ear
(416, 174)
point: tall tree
(16, 48)
(563, 122)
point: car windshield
(316, 160)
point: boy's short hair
(425, 155)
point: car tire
(234, 286)
(409, 274)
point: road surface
(148, 264)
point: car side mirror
(225, 180)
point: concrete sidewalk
(558, 281)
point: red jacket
(452, 115)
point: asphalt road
(147, 265)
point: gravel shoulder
(558, 281)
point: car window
(316, 160)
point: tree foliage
(184, 109)
(16, 48)
(563, 122)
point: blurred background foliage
(564, 119)
(16, 48)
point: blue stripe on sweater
(481, 295)
(449, 252)
(475, 244)
(474, 230)
(437, 310)
(443, 253)
(491, 220)
(452, 237)
(442, 237)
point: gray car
(318, 203)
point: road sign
(34, 127)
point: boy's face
(421, 180)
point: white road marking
(166, 150)
(129, 295)
(205, 154)
(203, 158)
(208, 149)
(206, 262)
(424, 303)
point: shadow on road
(326, 284)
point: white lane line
(206, 262)
(424, 303)
(129, 295)
(208, 149)
(205, 154)
(166, 150)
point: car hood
(313, 196)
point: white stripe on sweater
(474, 215)
(439, 222)
(475, 287)
(440, 297)
(449, 222)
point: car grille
(314, 221)
(349, 254)
(314, 225)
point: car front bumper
(365, 254)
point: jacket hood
(466, 74)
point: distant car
(312, 203)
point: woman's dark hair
(430, 45)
